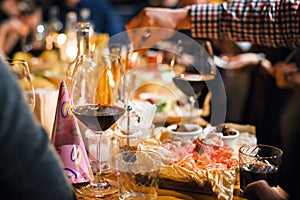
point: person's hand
(155, 24)
(287, 75)
(10, 30)
(261, 190)
(246, 59)
(15, 25)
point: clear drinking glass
(21, 69)
(138, 174)
(97, 100)
(259, 162)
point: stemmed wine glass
(121, 49)
(20, 68)
(98, 101)
(193, 62)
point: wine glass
(98, 101)
(193, 62)
(20, 68)
(121, 49)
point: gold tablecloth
(166, 194)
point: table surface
(165, 194)
(168, 194)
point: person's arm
(246, 59)
(287, 76)
(159, 22)
(269, 23)
(30, 168)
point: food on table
(23, 56)
(42, 82)
(199, 156)
(226, 130)
(183, 128)
(49, 55)
(212, 168)
(184, 131)
(227, 134)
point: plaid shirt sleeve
(272, 23)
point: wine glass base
(107, 188)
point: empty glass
(21, 69)
(138, 174)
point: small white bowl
(230, 140)
(186, 135)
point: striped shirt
(272, 23)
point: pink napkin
(67, 139)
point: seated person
(16, 27)
(101, 14)
(31, 168)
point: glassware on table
(259, 162)
(83, 33)
(138, 174)
(193, 61)
(123, 50)
(123, 141)
(98, 101)
(91, 145)
(21, 69)
(68, 49)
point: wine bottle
(83, 34)
(68, 51)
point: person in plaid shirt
(271, 23)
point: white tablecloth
(46, 102)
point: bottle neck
(71, 22)
(85, 14)
(55, 25)
(83, 34)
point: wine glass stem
(99, 140)
(192, 100)
(99, 181)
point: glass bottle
(85, 16)
(71, 21)
(68, 50)
(54, 26)
(83, 35)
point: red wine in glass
(250, 172)
(193, 85)
(187, 81)
(98, 117)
